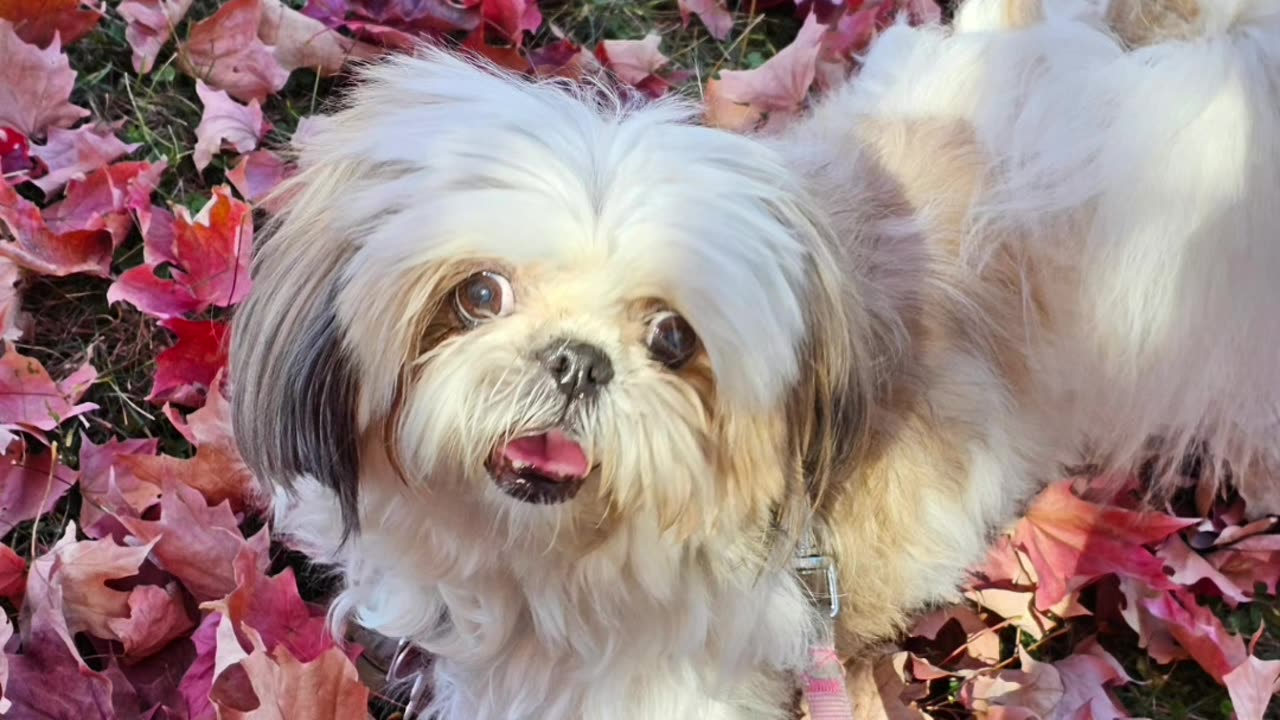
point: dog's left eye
(483, 296)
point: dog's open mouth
(543, 469)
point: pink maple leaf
(257, 174)
(1072, 542)
(195, 542)
(72, 154)
(35, 86)
(30, 485)
(31, 401)
(713, 13)
(149, 25)
(226, 123)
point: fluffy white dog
(559, 384)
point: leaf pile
(137, 574)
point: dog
(559, 383)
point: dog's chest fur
(641, 627)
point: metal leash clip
(807, 563)
(403, 650)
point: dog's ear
(829, 406)
(294, 384)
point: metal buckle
(403, 649)
(813, 564)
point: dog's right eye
(483, 296)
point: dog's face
(552, 307)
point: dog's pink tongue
(553, 455)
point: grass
(160, 111)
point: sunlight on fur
(559, 383)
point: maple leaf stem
(48, 486)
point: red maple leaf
(35, 247)
(207, 258)
(1071, 542)
(39, 21)
(186, 371)
(13, 581)
(107, 199)
(224, 50)
(30, 485)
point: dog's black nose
(580, 369)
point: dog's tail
(1145, 161)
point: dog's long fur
(1041, 236)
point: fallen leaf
(224, 50)
(30, 400)
(13, 582)
(1158, 616)
(15, 155)
(713, 14)
(1253, 685)
(1189, 568)
(209, 257)
(511, 19)
(71, 154)
(34, 246)
(302, 42)
(40, 21)
(156, 617)
(108, 199)
(6, 632)
(79, 571)
(50, 680)
(186, 370)
(108, 489)
(14, 322)
(1086, 676)
(1034, 691)
(271, 608)
(327, 688)
(257, 174)
(150, 23)
(782, 83)
(562, 58)
(226, 122)
(1250, 563)
(35, 86)
(30, 486)
(636, 62)
(194, 542)
(1072, 542)
(216, 469)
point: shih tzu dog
(559, 383)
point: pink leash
(824, 686)
(825, 691)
